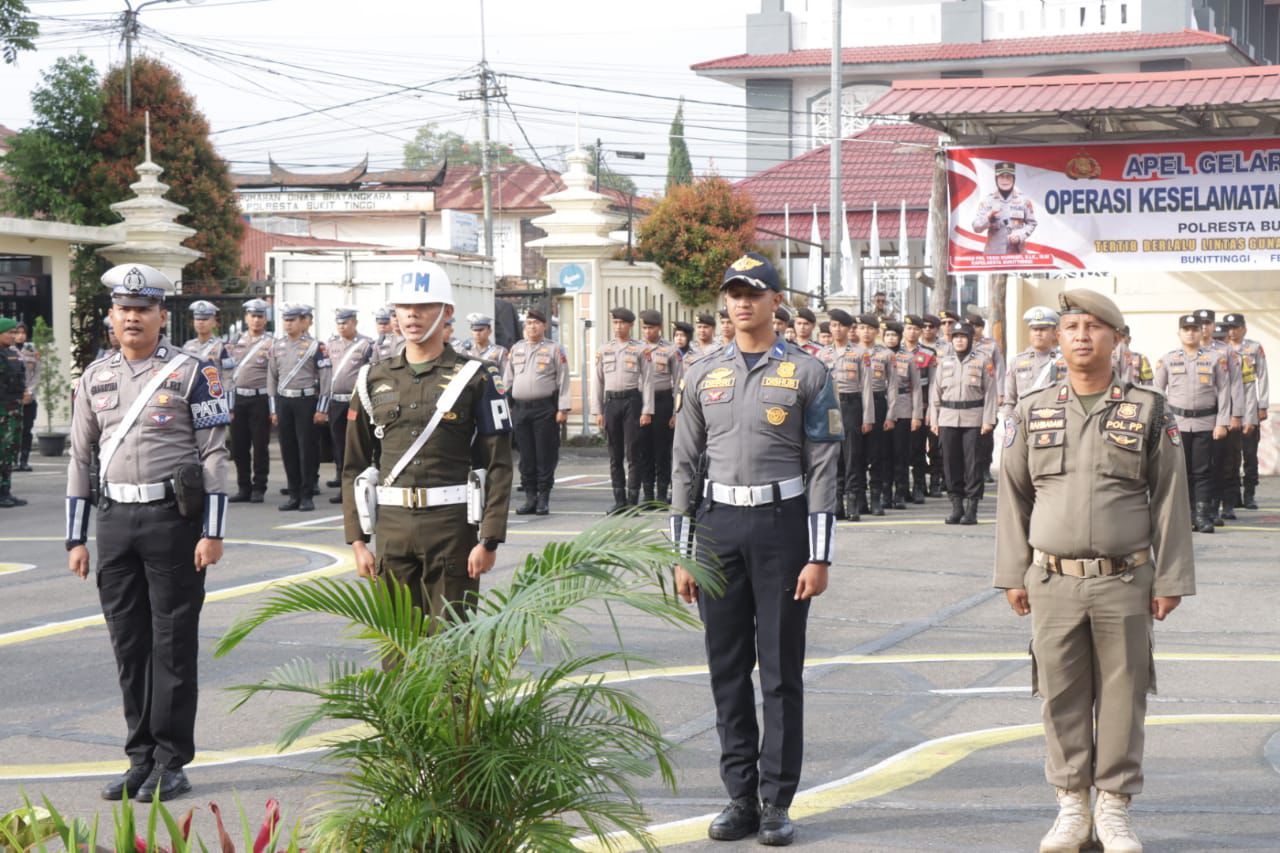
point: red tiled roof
(519, 186)
(885, 164)
(255, 244)
(1022, 95)
(996, 48)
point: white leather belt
(305, 392)
(722, 493)
(422, 498)
(136, 493)
(250, 392)
(340, 398)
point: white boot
(1111, 817)
(1074, 827)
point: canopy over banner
(1182, 205)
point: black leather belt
(850, 395)
(619, 395)
(962, 404)
(1191, 413)
(659, 392)
(535, 401)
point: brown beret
(1081, 301)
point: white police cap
(296, 309)
(137, 285)
(203, 309)
(424, 284)
(478, 320)
(345, 313)
(1039, 315)
(382, 315)
(256, 306)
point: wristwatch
(490, 544)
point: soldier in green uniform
(415, 418)
(1106, 455)
(13, 384)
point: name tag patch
(780, 382)
(1043, 420)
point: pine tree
(679, 166)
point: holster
(366, 498)
(188, 491)
(475, 495)
(95, 476)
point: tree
(17, 30)
(695, 232)
(609, 179)
(431, 145)
(679, 166)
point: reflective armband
(78, 520)
(682, 535)
(215, 516)
(821, 537)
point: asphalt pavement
(921, 730)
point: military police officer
(158, 417)
(621, 373)
(415, 419)
(251, 424)
(205, 346)
(766, 416)
(1105, 455)
(348, 352)
(1254, 373)
(537, 378)
(659, 398)
(298, 383)
(962, 407)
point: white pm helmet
(425, 283)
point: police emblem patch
(786, 369)
(775, 415)
(161, 418)
(215, 382)
(1010, 431)
(720, 373)
(1127, 410)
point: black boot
(530, 502)
(542, 505)
(877, 508)
(841, 511)
(24, 463)
(851, 508)
(8, 501)
(619, 502)
(970, 511)
(633, 497)
(306, 504)
(917, 494)
(240, 497)
(257, 496)
(292, 504)
(897, 502)
(1228, 511)
(1237, 499)
(1215, 514)
(863, 506)
(1201, 521)
(647, 500)
(1249, 502)
(935, 488)
(957, 510)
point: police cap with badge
(137, 285)
(203, 309)
(344, 313)
(753, 269)
(256, 306)
(1039, 316)
(382, 315)
(480, 321)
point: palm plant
(494, 733)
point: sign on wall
(1196, 205)
(573, 277)
(337, 201)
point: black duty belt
(619, 395)
(962, 404)
(660, 392)
(535, 401)
(850, 395)
(1191, 413)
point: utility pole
(834, 98)
(488, 89)
(599, 154)
(130, 27)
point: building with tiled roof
(785, 71)
(255, 244)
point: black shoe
(1215, 516)
(738, 820)
(1228, 511)
(332, 484)
(315, 491)
(851, 509)
(239, 498)
(619, 502)
(166, 784)
(8, 501)
(24, 467)
(895, 500)
(290, 505)
(633, 497)
(336, 499)
(876, 507)
(935, 489)
(543, 504)
(1200, 520)
(917, 496)
(530, 503)
(987, 478)
(1249, 502)
(775, 827)
(285, 490)
(970, 511)
(1237, 499)
(257, 497)
(306, 505)
(957, 510)
(131, 780)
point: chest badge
(720, 373)
(775, 415)
(787, 369)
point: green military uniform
(1113, 464)
(13, 384)
(424, 541)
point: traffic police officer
(158, 417)
(389, 343)
(348, 352)
(31, 362)
(205, 346)
(1038, 366)
(1106, 456)
(251, 426)
(884, 395)
(621, 373)
(1196, 384)
(906, 415)
(480, 345)
(849, 364)
(298, 383)
(765, 414)
(425, 538)
(1006, 216)
(962, 406)
(1253, 372)
(537, 378)
(659, 398)
(13, 384)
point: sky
(379, 69)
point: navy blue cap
(754, 269)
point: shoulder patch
(1171, 430)
(1010, 430)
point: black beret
(841, 316)
(623, 314)
(947, 314)
(535, 314)
(868, 320)
(892, 326)
(651, 317)
(912, 320)
(681, 326)
(1233, 321)
(932, 320)
(824, 327)
(705, 319)
(782, 314)
(976, 320)
(806, 314)
(723, 313)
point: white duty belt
(136, 493)
(422, 498)
(722, 493)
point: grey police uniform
(884, 396)
(1015, 215)
(251, 426)
(924, 444)
(1031, 370)
(665, 365)
(215, 350)
(771, 434)
(1198, 394)
(346, 359)
(1253, 359)
(621, 372)
(493, 354)
(150, 590)
(908, 405)
(298, 386)
(536, 378)
(851, 378)
(387, 346)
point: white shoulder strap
(311, 350)
(248, 356)
(130, 417)
(444, 404)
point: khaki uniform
(908, 406)
(1117, 473)
(1130, 366)
(621, 374)
(426, 548)
(536, 377)
(1031, 370)
(251, 426)
(387, 347)
(217, 351)
(962, 400)
(1198, 395)
(772, 431)
(926, 452)
(140, 532)
(1015, 215)
(493, 354)
(884, 397)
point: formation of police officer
(427, 477)
(1105, 454)
(1040, 364)
(880, 366)
(207, 346)
(13, 387)
(31, 362)
(388, 342)
(251, 422)
(348, 352)
(1257, 400)
(904, 419)
(655, 437)
(481, 344)
(621, 372)
(767, 419)
(962, 408)
(923, 451)
(536, 378)
(298, 387)
(1006, 216)
(155, 417)
(849, 366)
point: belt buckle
(1092, 568)
(744, 496)
(417, 498)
